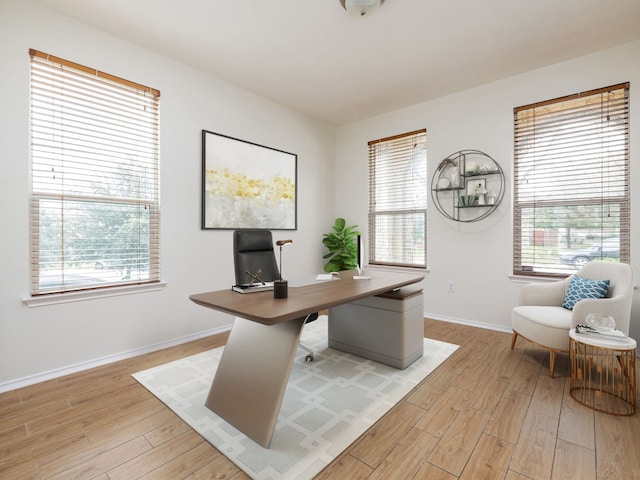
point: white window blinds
(94, 177)
(398, 200)
(571, 182)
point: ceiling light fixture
(361, 8)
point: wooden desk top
(261, 307)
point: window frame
(565, 133)
(69, 107)
(397, 208)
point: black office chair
(254, 260)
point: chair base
(552, 351)
(310, 356)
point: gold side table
(603, 373)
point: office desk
(252, 376)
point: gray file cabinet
(387, 328)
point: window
(94, 179)
(571, 182)
(398, 200)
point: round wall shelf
(467, 186)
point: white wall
(34, 341)
(477, 256)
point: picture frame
(476, 186)
(247, 185)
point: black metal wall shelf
(467, 186)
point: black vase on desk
(280, 286)
(280, 289)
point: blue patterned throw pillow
(581, 288)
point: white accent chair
(540, 318)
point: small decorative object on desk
(280, 286)
(256, 284)
(253, 287)
(327, 276)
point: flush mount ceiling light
(361, 8)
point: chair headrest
(253, 240)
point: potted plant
(342, 246)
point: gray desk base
(252, 376)
(388, 328)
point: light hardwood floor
(486, 413)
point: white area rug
(328, 404)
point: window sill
(385, 268)
(534, 279)
(57, 298)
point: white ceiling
(314, 57)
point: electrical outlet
(451, 286)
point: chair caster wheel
(309, 358)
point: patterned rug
(327, 405)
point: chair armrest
(547, 294)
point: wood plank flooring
(487, 413)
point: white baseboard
(98, 362)
(471, 323)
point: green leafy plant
(342, 246)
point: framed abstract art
(246, 185)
